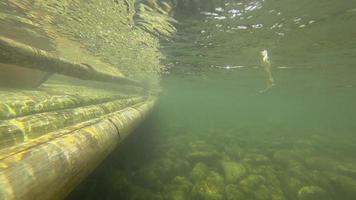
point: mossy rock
(212, 188)
(234, 192)
(119, 181)
(233, 171)
(209, 157)
(253, 181)
(262, 193)
(144, 194)
(123, 188)
(292, 186)
(322, 163)
(343, 186)
(182, 183)
(312, 193)
(160, 169)
(284, 157)
(178, 189)
(256, 158)
(233, 151)
(176, 195)
(199, 172)
(181, 167)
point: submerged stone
(176, 195)
(253, 181)
(330, 164)
(178, 189)
(144, 194)
(256, 158)
(284, 157)
(270, 175)
(292, 186)
(233, 192)
(199, 172)
(215, 177)
(212, 188)
(182, 183)
(181, 166)
(312, 193)
(208, 157)
(153, 174)
(119, 181)
(348, 170)
(234, 151)
(262, 193)
(233, 171)
(123, 188)
(297, 169)
(322, 163)
(344, 186)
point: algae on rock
(233, 171)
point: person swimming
(266, 64)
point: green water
(217, 134)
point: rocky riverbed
(230, 165)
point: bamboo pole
(20, 103)
(51, 166)
(21, 129)
(19, 54)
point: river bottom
(216, 137)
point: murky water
(223, 130)
(258, 99)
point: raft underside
(53, 136)
(46, 159)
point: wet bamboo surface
(49, 167)
(52, 137)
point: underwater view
(178, 99)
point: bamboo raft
(73, 85)
(52, 137)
